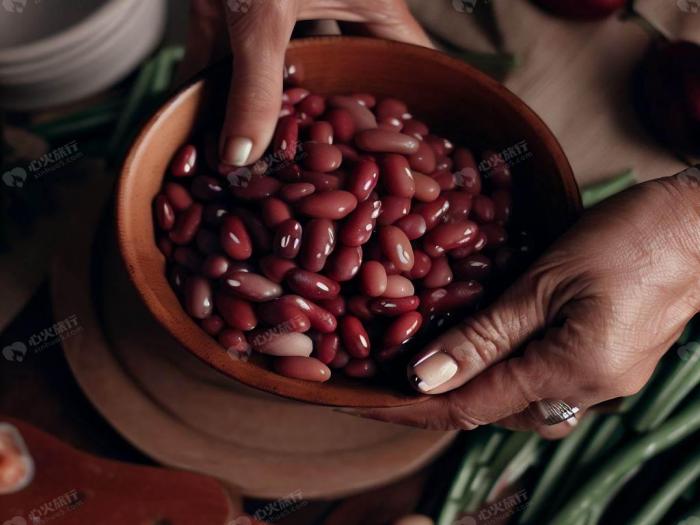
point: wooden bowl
(449, 95)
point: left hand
(594, 314)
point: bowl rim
(292, 388)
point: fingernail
(432, 370)
(236, 151)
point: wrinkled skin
(593, 317)
(257, 32)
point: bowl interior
(450, 96)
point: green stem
(627, 460)
(597, 192)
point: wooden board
(183, 414)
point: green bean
(664, 395)
(659, 504)
(79, 122)
(559, 464)
(629, 459)
(691, 517)
(165, 62)
(597, 192)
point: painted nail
(236, 151)
(432, 370)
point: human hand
(257, 32)
(594, 315)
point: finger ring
(554, 412)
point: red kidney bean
(262, 240)
(251, 286)
(359, 226)
(286, 138)
(213, 214)
(326, 347)
(460, 206)
(398, 286)
(293, 73)
(443, 163)
(284, 344)
(440, 145)
(463, 158)
(311, 285)
(212, 325)
(207, 241)
(458, 294)
(446, 237)
(501, 205)
(415, 128)
(499, 171)
(343, 124)
(286, 110)
(440, 273)
(287, 241)
(322, 182)
(403, 329)
(421, 265)
(434, 212)
(366, 99)
(321, 157)
(286, 314)
(349, 153)
(256, 188)
(206, 188)
(318, 244)
(390, 124)
(236, 312)
(394, 307)
(313, 105)
(186, 224)
(396, 247)
(340, 360)
(483, 209)
(386, 141)
(495, 234)
(336, 306)
(360, 368)
(289, 172)
(215, 265)
(445, 179)
(306, 368)
(332, 205)
(362, 117)
(392, 209)
(390, 268)
(321, 319)
(184, 161)
(464, 251)
(275, 268)
(423, 159)
(358, 305)
(303, 119)
(176, 277)
(234, 238)
(391, 107)
(344, 263)
(178, 197)
(413, 225)
(476, 267)
(321, 131)
(355, 337)
(468, 180)
(274, 212)
(294, 95)
(165, 246)
(296, 191)
(233, 340)
(363, 179)
(198, 297)
(187, 257)
(373, 279)
(397, 177)
(427, 188)
(165, 215)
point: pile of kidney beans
(358, 231)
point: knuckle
(461, 417)
(481, 333)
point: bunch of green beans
(574, 481)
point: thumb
(484, 339)
(259, 37)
